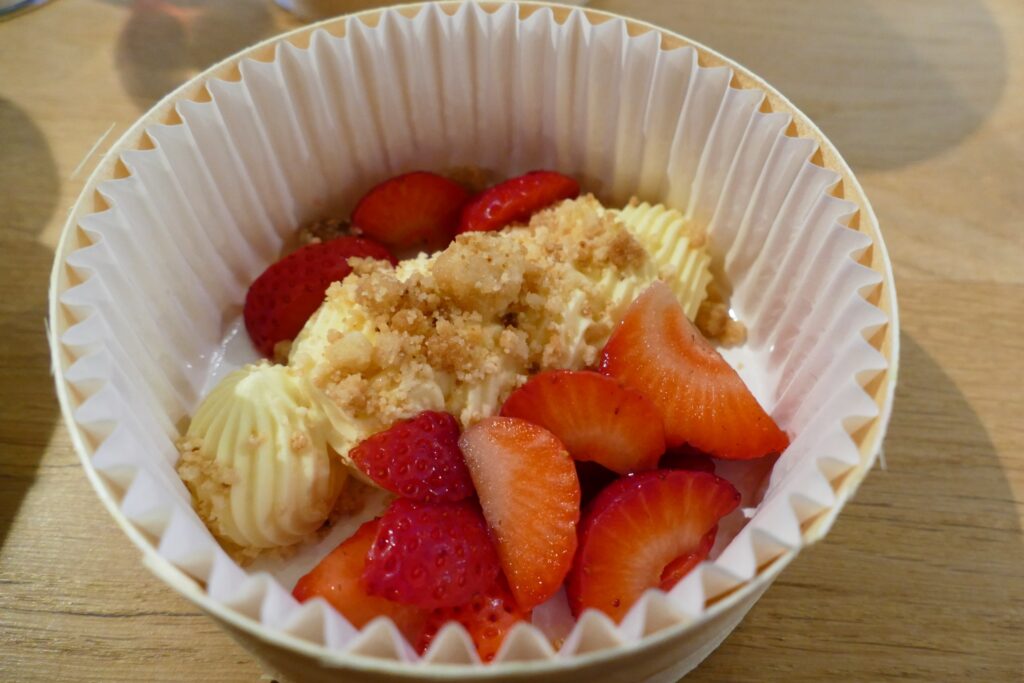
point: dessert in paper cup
(501, 341)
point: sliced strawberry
(418, 458)
(282, 298)
(702, 400)
(431, 554)
(684, 564)
(530, 496)
(339, 580)
(488, 617)
(687, 458)
(516, 199)
(596, 417)
(637, 529)
(413, 209)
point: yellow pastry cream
(457, 330)
(256, 460)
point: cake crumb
(715, 322)
(298, 442)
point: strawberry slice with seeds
(339, 580)
(530, 496)
(431, 554)
(281, 299)
(411, 210)
(642, 532)
(417, 458)
(702, 400)
(488, 617)
(596, 417)
(516, 199)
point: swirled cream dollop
(256, 460)
(460, 329)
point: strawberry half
(418, 458)
(516, 199)
(702, 400)
(281, 299)
(431, 554)
(642, 532)
(530, 496)
(413, 209)
(596, 417)
(339, 580)
(488, 617)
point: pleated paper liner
(197, 198)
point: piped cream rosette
(256, 460)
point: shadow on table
(165, 42)
(913, 78)
(29, 193)
(923, 574)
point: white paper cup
(197, 197)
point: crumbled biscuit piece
(714, 323)
(735, 333)
(323, 230)
(281, 351)
(474, 178)
(712, 318)
(298, 442)
(351, 352)
(476, 277)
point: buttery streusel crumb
(474, 178)
(281, 350)
(715, 323)
(323, 230)
(735, 333)
(298, 442)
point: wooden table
(923, 575)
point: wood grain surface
(922, 577)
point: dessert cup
(201, 193)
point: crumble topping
(461, 329)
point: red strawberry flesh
(516, 199)
(413, 209)
(417, 458)
(530, 496)
(596, 417)
(487, 616)
(285, 295)
(703, 401)
(684, 564)
(431, 554)
(338, 578)
(642, 531)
